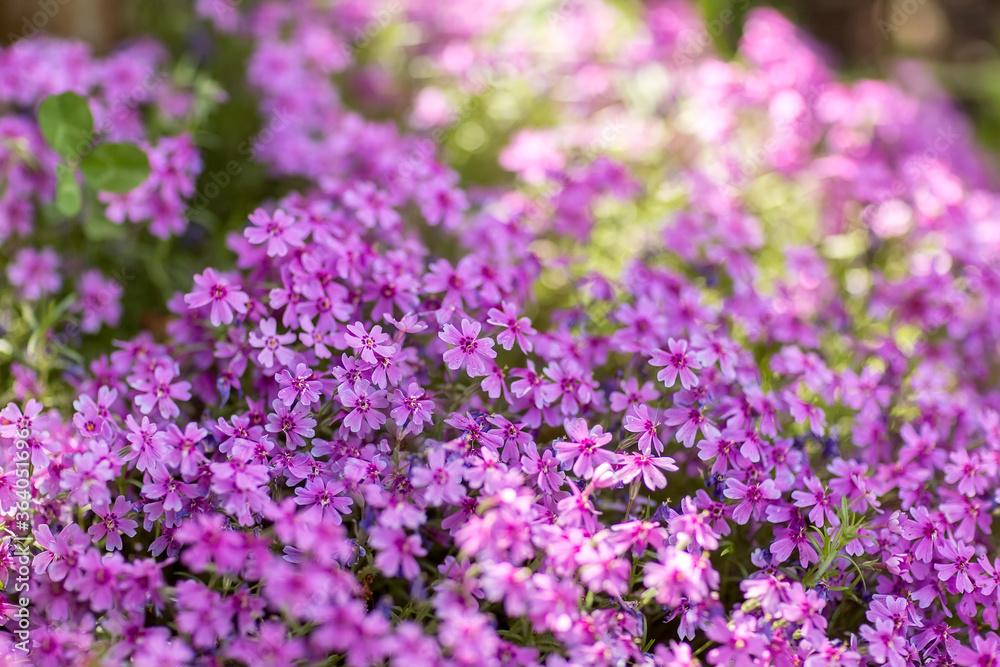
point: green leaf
(68, 198)
(115, 168)
(66, 124)
(102, 229)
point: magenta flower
(584, 448)
(397, 552)
(754, 497)
(299, 387)
(35, 273)
(148, 448)
(412, 408)
(112, 524)
(160, 392)
(824, 509)
(294, 423)
(647, 466)
(272, 344)
(676, 363)
(280, 231)
(99, 301)
(216, 290)
(690, 420)
(959, 567)
(470, 351)
(441, 482)
(644, 423)
(369, 343)
(323, 500)
(515, 329)
(364, 402)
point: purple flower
(441, 482)
(294, 423)
(216, 290)
(272, 344)
(112, 524)
(364, 402)
(470, 351)
(323, 500)
(279, 231)
(514, 329)
(301, 386)
(159, 392)
(584, 447)
(369, 343)
(676, 363)
(35, 272)
(753, 496)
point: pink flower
(397, 552)
(294, 423)
(370, 343)
(515, 329)
(754, 496)
(441, 482)
(584, 447)
(112, 524)
(279, 232)
(216, 290)
(470, 350)
(644, 423)
(35, 272)
(677, 363)
(323, 500)
(647, 466)
(273, 344)
(159, 392)
(823, 506)
(364, 402)
(690, 421)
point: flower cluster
(420, 424)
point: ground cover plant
(610, 350)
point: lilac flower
(441, 482)
(584, 448)
(411, 408)
(364, 402)
(148, 448)
(224, 297)
(753, 496)
(397, 552)
(644, 423)
(272, 344)
(280, 231)
(647, 466)
(294, 423)
(35, 272)
(299, 387)
(369, 343)
(112, 524)
(323, 500)
(159, 392)
(514, 329)
(470, 351)
(99, 301)
(677, 363)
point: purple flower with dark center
(470, 351)
(217, 291)
(112, 524)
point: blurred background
(958, 38)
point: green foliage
(66, 124)
(68, 127)
(115, 168)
